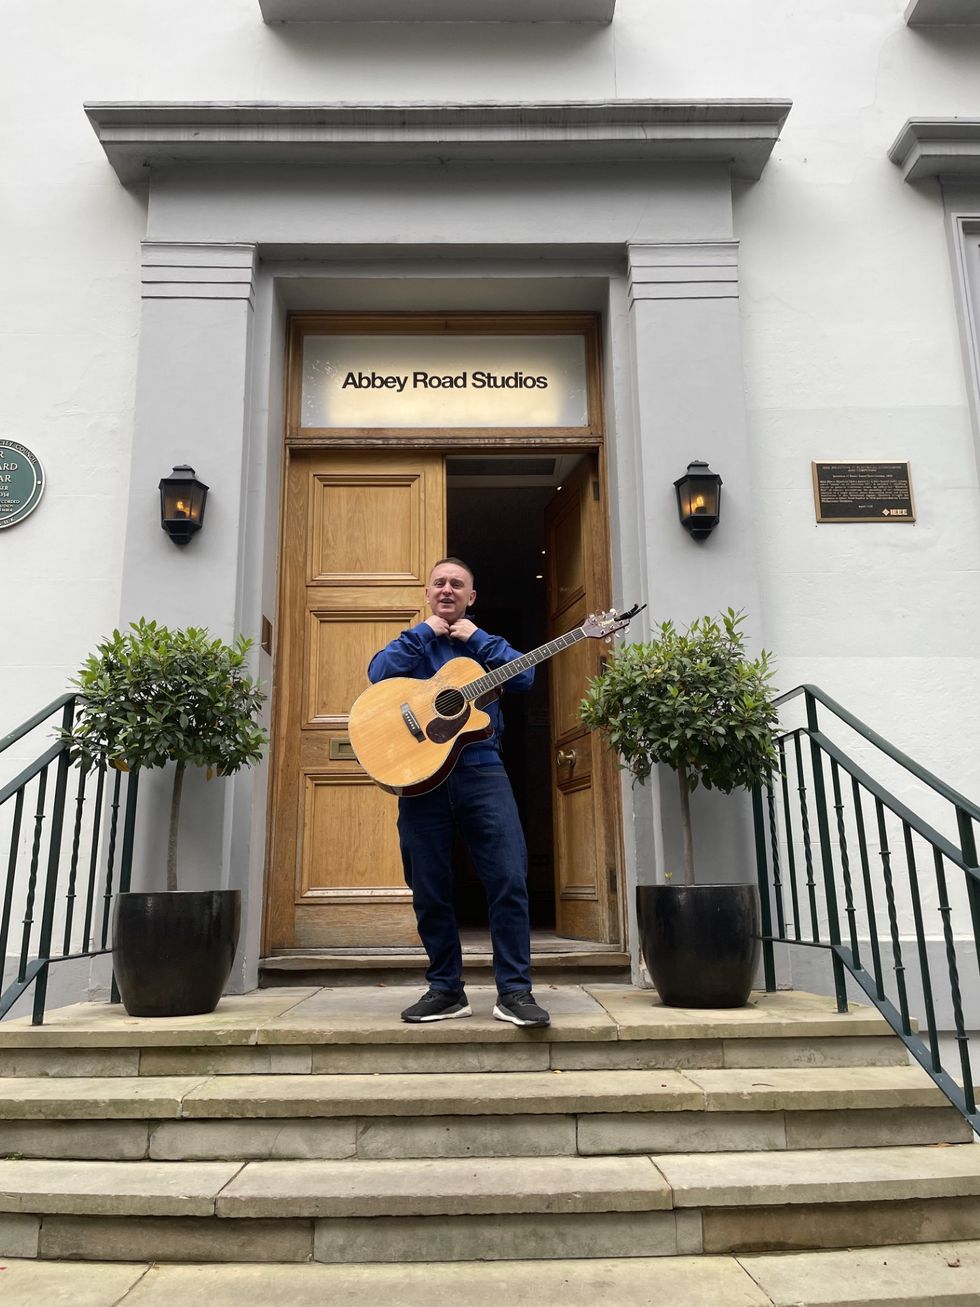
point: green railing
(62, 881)
(831, 885)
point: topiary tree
(151, 695)
(694, 701)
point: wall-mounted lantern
(182, 500)
(699, 499)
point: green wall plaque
(21, 483)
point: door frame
(588, 440)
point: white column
(683, 302)
(191, 396)
(192, 407)
(689, 404)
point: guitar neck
(483, 684)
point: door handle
(566, 757)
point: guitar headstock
(603, 626)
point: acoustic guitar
(408, 733)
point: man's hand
(462, 630)
(439, 624)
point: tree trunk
(688, 840)
(174, 818)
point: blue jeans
(479, 802)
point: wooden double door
(361, 530)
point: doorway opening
(379, 481)
(495, 521)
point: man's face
(450, 591)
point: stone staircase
(307, 1138)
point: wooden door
(583, 773)
(360, 532)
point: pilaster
(689, 404)
(191, 392)
(192, 407)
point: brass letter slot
(341, 750)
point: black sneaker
(520, 1009)
(437, 1005)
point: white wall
(850, 337)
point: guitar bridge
(412, 722)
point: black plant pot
(172, 951)
(700, 942)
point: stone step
(924, 1275)
(357, 1031)
(519, 1135)
(491, 1209)
(544, 1092)
(526, 1051)
(586, 1113)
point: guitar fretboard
(500, 674)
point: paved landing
(370, 1014)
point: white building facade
(762, 226)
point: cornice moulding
(437, 11)
(942, 13)
(938, 147)
(142, 137)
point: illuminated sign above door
(376, 381)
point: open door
(360, 531)
(582, 768)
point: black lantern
(182, 500)
(699, 499)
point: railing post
(54, 859)
(129, 832)
(968, 846)
(126, 861)
(762, 867)
(826, 856)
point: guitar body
(408, 733)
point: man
(475, 799)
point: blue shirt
(419, 652)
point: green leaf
(692, 699)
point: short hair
(459, 562)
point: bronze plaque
(863, 492)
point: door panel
(341, 644)
(360, 533)
(342, 802)
(576, 830)
(583, 774)
(579, 663)
(365, 527)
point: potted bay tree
(697, 703)
(151, 696)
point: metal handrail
(43, 868)
(820, 872)
(921, 773)
(25, 727)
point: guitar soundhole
(449, 703)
